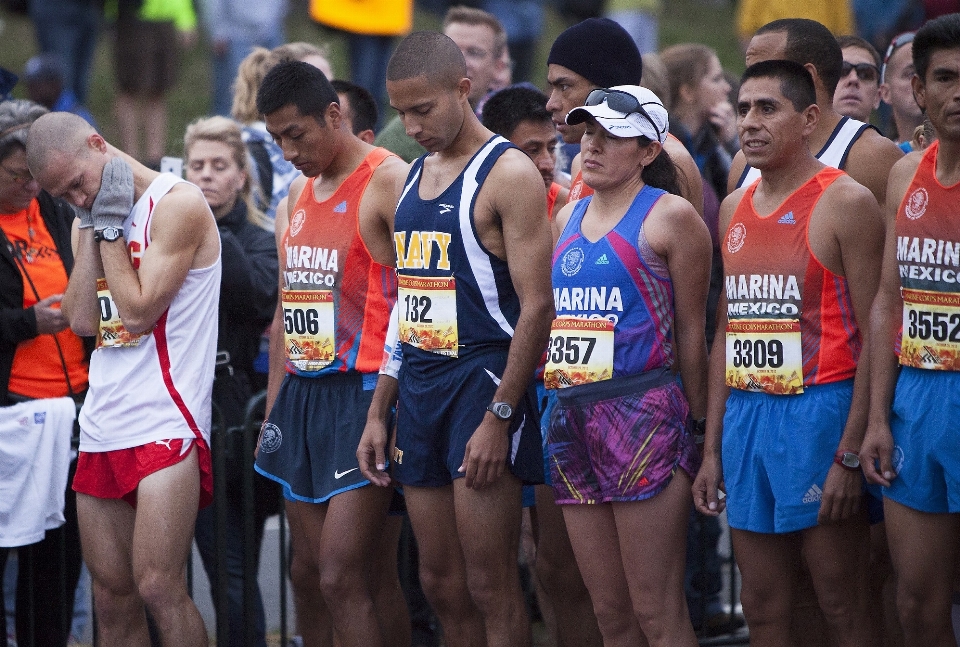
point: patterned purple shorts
(620, 439)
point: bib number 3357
(580, 351)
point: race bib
(308, 328)
(111, 333)
(765, 355)
(931, 330)
(428, 313)
(579, 351)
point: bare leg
(127, 110)
(593, 535)
(559, 577)
(488, 523)
(388, 596)
(924, 550)
(313, 618)
(155, 127)
(442, 569)
(768, 564)
(163, 534)
(106, 534)
(837, 556)
(652, 536)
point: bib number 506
(757, 353)
(301, 321)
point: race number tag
(765, 355)
(931, 330)
(428, 313)
(308, 328)
(580, 351)
(112, 334)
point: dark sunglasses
(866, 72)
(621, 102)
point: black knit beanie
(599, 50)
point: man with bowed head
(146, 282)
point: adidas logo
(602, 260)
(813, 495)
(341, 208)
(787, 219)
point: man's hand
(708, 487)
(486, 455)
(371, 453)
(842, 492)
(876, 453)
(50, 320)
(115, 199)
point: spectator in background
(370, 27)
(39, 358)
(522, 21)
(641, 19)
(836, 15)
(358, 109)
(315, 55)
(145, 60)
(896, 89)
(69, 28)
(216, 161)
(44, 76)
(235, 28)
(858, 92)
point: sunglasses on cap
(903, 39)
(621, 102)
(866, 72)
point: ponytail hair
(662, 173)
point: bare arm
(736, 170)
(870, 161)
(885, 318)
(79, 304)
(372, 453)
(676, 232)
(709, 481)
(378, 207)
(518, 199)
(183, 236)
(277, 354)
(858, 229)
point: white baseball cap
(636, 112)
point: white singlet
(160, 388)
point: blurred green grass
(705, 21)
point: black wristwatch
(501, 410)
(699, 430)
(108, 234)
(847, 460)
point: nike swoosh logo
(337, 475)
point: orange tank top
(928, 257)
(791, 321)
(37, 371)
(552, 195)
(336, 299)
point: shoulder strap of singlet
(413, 175)
(572, 227)
(835, 152)
(630, 225)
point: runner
(911, 446)
(801, 252)
(474, 310)
(631, 269)
(328, 331)
(147, 283)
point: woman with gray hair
(42, 363)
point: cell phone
(171, 165)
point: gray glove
(115, 200)
(86, 218)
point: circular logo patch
(572, 261)
(916, 204)
(270, 438)
(736, 237)
(896, 459)
(296, 223)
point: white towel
(34, 463)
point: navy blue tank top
(436, 241)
